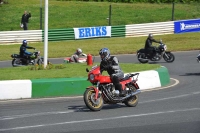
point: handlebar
(134, 74)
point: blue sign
(90, 32)
(187, 26)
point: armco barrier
(131, 30)
(8, 37)
(38, 88)
(159, 28)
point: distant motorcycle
(68, 60)
(30, 60)
(103, 91)
(82, 59)
(198, 58)
(161, 52)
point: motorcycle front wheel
(90, 102)
(41, 61)
(168, 57)
(132, 101)
(141, 58)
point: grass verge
(70, 14)
(66, 71)
(174, 42)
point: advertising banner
(187, 26)
(91, 32)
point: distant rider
(148, 45)
(111, 65)
(23, 53)
(198, 58)
(75, 57)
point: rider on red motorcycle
(111, 65)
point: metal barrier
(7, 37)
(132, 30)
(118, 31)
(135, 30)
(60, 34)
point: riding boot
(119, 87)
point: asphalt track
(170, 109)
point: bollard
(89, 60)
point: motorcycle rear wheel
(90, 102)
(141, 58)
(132, 101)
(169, 57)
(16, 62)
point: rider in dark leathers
(148, 45)
(23, 53)
(111, 65)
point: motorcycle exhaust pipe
(132, 94)
(18, 65)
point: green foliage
(146, 1)
(48, 67)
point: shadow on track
(191, 74)
(83, 108)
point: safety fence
(118, 31)
(59, 34)
(7, 37)
(133, 30)
(160, 28)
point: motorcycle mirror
(161, 40)
(87, 70)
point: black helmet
(24, 42)
(150, 36)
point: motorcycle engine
(114, 92)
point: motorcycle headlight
(91, 77)
(165, 47)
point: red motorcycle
(103, 90)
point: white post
(46, 34)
